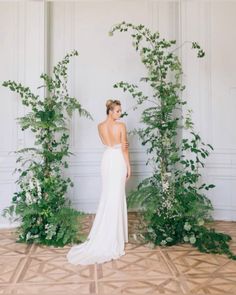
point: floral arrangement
(173, 205)
(40, 204)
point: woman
(109, 231)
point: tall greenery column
(40, 204)
(172, 201)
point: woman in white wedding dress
(109, 232)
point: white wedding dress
(109, 232)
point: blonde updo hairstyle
(110, 104)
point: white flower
(29, 189)
(38, 188)
(47, 226)
(187, 226)
(50, 230)
(192, 240)
(166, 180)
(169, 239)
(186, 238)
(28, 236)
(18, 198)
(165, 186)
(31, 185)
(200, 222)
(28, 199)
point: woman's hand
(126, 145)
(128, 172)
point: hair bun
(109, 102)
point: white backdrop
(35, 35)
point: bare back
(110, 134)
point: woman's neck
(110, 120)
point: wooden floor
(31, 269)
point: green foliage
(40, 204)
(172, 200)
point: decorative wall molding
(22, 59)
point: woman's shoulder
(100, 124)
(121, 124)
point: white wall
(102, 61)
(36, 35)
(211, 92)
(21, 59)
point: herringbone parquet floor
(32, 269)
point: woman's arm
(98, 127)
(125, 149)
